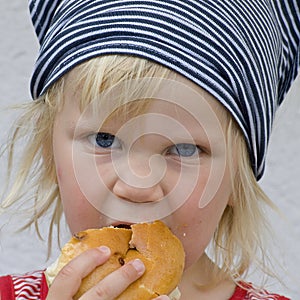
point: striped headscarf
(244, 52)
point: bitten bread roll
(153, 243)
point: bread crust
(153, 243)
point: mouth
(122, 225)
(125, 225)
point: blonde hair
(238, 237)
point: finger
(68, 280)
(162, 297)
(116, 282)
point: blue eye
(104, 140)
(184, 150)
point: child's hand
(68, 280)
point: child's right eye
(105, 140)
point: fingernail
(139, 266)
(104, 250)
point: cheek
(82, 190)
(79, 212)
(195, 225)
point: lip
(125, 225)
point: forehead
(175, 96)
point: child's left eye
(105, 140)
(184, 150)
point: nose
(131, 193)
(138, 180)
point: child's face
(168, 163)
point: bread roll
(153, 243)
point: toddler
(147, 110)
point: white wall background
(24, 252)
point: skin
(144, 167)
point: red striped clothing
(33, 286)
(29, 286)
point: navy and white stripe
(244, 52)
